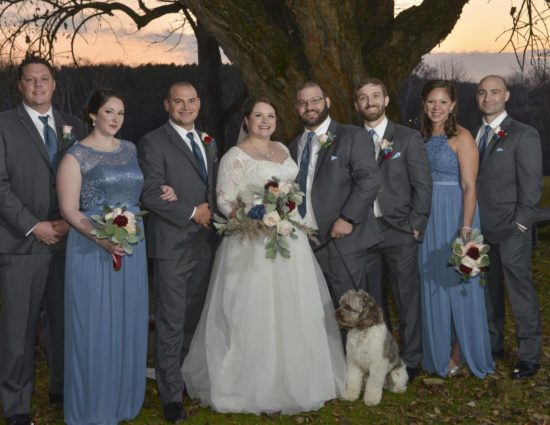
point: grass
(429, 400)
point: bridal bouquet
(470, 258)
(120, 227)
(270, 213)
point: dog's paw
(373, 398)
(398, 389)
(350, 395)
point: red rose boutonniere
(500, 133)
(207, 139)
(386, 147)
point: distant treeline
(144, 88)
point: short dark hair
(371, 80)
(451, 125)
(251, 102)
(97, 99)
(32, 59)
(179, 84)
(309, 84)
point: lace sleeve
(229, 175)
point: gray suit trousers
(180, 288)
(511, 263)
(399, 251)
(24, 282)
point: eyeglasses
(313, 101)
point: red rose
(483, 269)
(501, 134)
(464, 269)
(388, 155)
(291, 205)
(271, 183)
(120, 221)
(473, 252)
(207, 140)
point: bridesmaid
(105, 310)
(454, 323)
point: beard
(374, 115)
(315, 121)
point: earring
(93, 123)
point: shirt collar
(322, 129)
(380, 129)
(34, 114)
(497, 121)
(182, 131)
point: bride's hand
(168, 193)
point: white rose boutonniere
(325, 140)
(67, 132)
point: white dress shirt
(39, 124)
(493, 124)
(309, 218)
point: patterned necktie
(49, 138)
(483, 142)
(374, 138)
(198, 157)
(302, 174)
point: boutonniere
(386, 148)
(207, 139)
(325, 140)
(500, 133)
(67, 131)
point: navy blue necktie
(49, 138)
(302, 174)
(198, 157)
(483, 142)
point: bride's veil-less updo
(247, 110)
(451, 125)
(97, 99)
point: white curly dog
(371, 349)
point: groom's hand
(203, 215)
(340, 228)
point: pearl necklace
(266, 155)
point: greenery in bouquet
(470, 258)
(121, 227)
(271, 213)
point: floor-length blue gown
(106, 311)
(450, 309)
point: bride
(267, 340)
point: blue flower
(257, 212)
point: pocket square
(396, 155)
(333, 157)
(499, 149)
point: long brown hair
(451, 125)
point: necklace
(266, 155)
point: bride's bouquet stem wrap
(272, 214)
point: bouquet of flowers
(470, 258)
(270, 214)
(120, 227)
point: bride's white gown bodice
(267, 340)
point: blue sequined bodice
(443, 160)
(108, 178)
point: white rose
(272, 219)
(131, 226)
(285, 188)
(468, 262)
(67, 130)
(284, 228)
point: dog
(370, 349)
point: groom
(509, 189)
(340, 178)
(180, 239)
(401, 209)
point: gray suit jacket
(509, 183)
(27, 179)
(346, 182)
(165, 159)
(405, 195)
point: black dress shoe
(412, 372)
(56, 399)
(498, 355)
(21, 419)
(174, 412)
(524, 369)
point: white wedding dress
(267, 340)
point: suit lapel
(176, 139)
(495, 139)
(323, 152)
(208, 149)
(27, 123)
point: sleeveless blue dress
(106, 312)
(451, 310)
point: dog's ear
(371, 313)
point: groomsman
(509, 189)
(401, 208)
(180, 239)
(32, 237)
(340, 178)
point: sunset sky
(475, 35)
